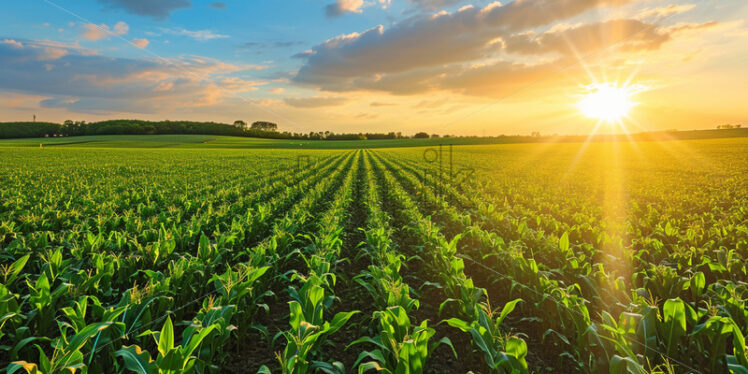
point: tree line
(728, 127)
(258, 129)
(28, 129)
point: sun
(607, 102)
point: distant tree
(421, 135)
(28, 129)
(535, 134)
(73, 128)
(434, 135)
(264, 126)
(738, 126)
(725, 127)
(240, 124)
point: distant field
(530, 258)
(214, 141)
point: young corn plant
(11, 318)
(215, 346)
(171, 359)
(44, 300)
(502, 353)
(89, 307)
(621, 334)
(241, 287)
(67, 355)
(401, 348)
(387, 288)
(309, 330)
(384, 282)
(10, 272)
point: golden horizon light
(608, 102)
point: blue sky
(446, 66)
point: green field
(199, 256)
(234, 142)
(213, 141)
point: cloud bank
(472, 49)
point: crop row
(651, 326)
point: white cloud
(12, 43)
(94, 32)
(340, 7)
(140, 43)
(664, 11)
(121, 28)
(52, 54)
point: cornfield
(610, 257)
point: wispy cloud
(434, 4)
(665, 11)
(42, 51)
(629, 34)
(271, 44)
(315, 102)
(200, 35)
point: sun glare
(607, 102)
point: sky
(440, 66)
